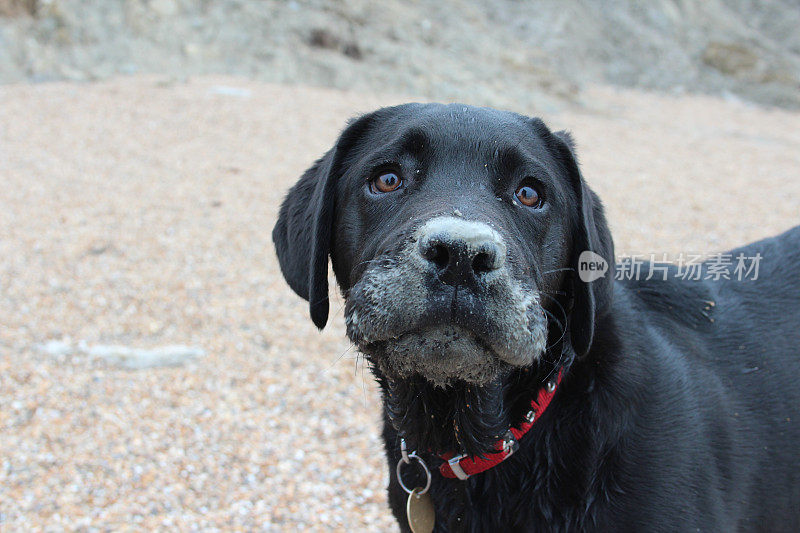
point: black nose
(461, 250)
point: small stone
(224, 90)
(323, 38)
(165, 8)
(730, 58)
(56, 347)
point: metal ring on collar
(401, 462)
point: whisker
(560, 326)
(564, 269)
(550, 293)
(555, 301)
(339, 358)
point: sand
(136, 214)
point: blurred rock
(225, 90)
(13, 8)
(352, 50)
(730, 58)
(137, 358)
(165, 8)
(124, 356)
(323, 38)
(56, 347)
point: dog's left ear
(302, 235)
(591, 300)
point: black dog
(458, 236)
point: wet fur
(387, 309)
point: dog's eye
(529, 196)
(385, 182)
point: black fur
(680, 405)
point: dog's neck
(565, 457)
(461, 418)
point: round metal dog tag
(419, 510)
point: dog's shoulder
(670, 297)
(778, 258)
(763, 274)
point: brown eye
(529, 196)
(386, 182)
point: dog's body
(683, 418)
(454, 233)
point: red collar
(464, 466)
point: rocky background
(508, 53)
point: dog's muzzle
(446, 307)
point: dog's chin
(443, 355)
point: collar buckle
(455, 466)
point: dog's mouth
(474, 347)
(440, 354)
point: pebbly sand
(137, 213)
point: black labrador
(459, 236)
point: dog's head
(454, 233)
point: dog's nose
(461, 250)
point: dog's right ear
(302, 235)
